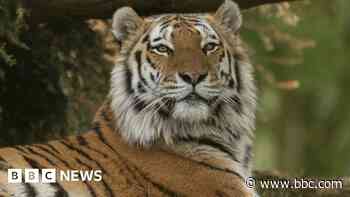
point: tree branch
(44, 10)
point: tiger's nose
(192, 78)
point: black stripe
(211, 143)
(235, 135)
(85, 144)
(152, 77)
(160, 187)
(29, 190)
(210, 167)
(96, 126)
(42, 148)
(149, 47)
(128, 79)
(164, 25)
(89, 187)
(105, 116)
(80, 152)
(164, 113)
(32, 162)
(166, 110)
(102, 138)
(157, 39)
(109, 190)
(60, 192)
(52, 148)
(91, 190)
(140, 87)
(104, 141)
(20, 149)
(145, 39)
(218, 109)
(229, 57)
(110, 193)
(138, 57)
(148, 60)
(35, 164)
(213, 36)
(36, 153)
(81, 140)
(231, 83)
(238, 106)
(238, 75)
(53, 154)
(166, 21)
(248, 155)
(163, 28)
(139, 104)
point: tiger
(178, 120)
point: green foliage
(304, 131)
(53, 76)
(7, 58)
(12, 23)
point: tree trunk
(43, 10)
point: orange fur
(128, 171)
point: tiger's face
(178, 67)
(185, 66)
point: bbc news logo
(52, 175)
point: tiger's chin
(191, 111)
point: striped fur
(178, 121)
(127, 171)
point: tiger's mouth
(193, 97)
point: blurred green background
(54, 76)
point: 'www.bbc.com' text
(294, 184)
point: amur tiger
(178, 121)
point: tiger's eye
(162, 49)
(210, 47)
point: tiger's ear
(125, 21)
(229, 15)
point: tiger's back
(126, 171)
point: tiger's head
(178, 72)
